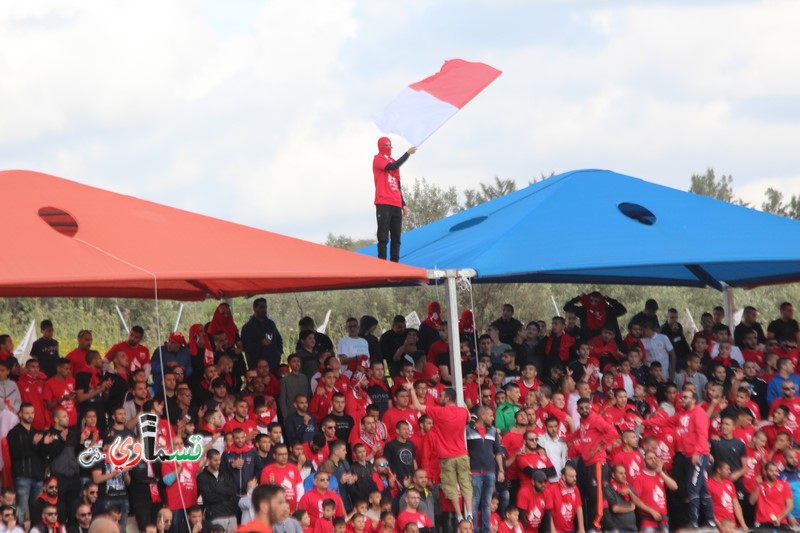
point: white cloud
(74, 66)
(266, 120)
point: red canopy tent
(63, 238)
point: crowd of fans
(567, 427)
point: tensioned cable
(160, 355)
(474, 328)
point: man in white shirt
(657, 347)
(722, 333)
(9, 521)
(555, 448)
(353, 350)
(582, 390)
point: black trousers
(594, 477)
(69, 488)
(390, 224)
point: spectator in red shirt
(751, 350)
(285, 475)
(629, 456)
(651, 488)
(772, 498)
(31, 390)
(511, 523)
(791, 401)
(321, 400)
(534, 500)
(634, 338)
(325, 522)
(528, 382)
(449, 422)
(604, 347)
(241, 419)
(59, 391)
(400, 411)
(77, 357)
(412, 514)
(369, 437)
(138, 354)
(593, 436)
(779, 418)
(566, 506)
(622, 413)
(389, 203)
(693, 433)
(723, 495)
(311, 502)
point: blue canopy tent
(597, 226)
(600, 227)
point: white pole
(555, 305)
(452, 328)
(728, 305)
(178, 320)
(124, 324)
(691, 319)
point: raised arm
(414, 400)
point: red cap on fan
(177, 336)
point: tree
(346, 242)
(428, 202)
(774, 204)
(488, 191)
(793, 209)
(707, 185)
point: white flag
(23, 351)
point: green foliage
(774, 204)
(542, 177)
(488, 191)
(708, 185)
(346, 242)
(428, 202)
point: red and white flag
(422, 107)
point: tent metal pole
(728, 305)
(451, 299)
(451, 296)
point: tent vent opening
(468, 223)
(638, 213)
(59, 220)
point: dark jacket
(506, 329)
(241, 476)
(309, 361)
(364, 484)
(62, 453)
(297, 429)
(27, 458)
(218, 492)
(483, 449)
(253, 332)
(291, 386)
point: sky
(261, 112)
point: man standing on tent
(390, 207)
